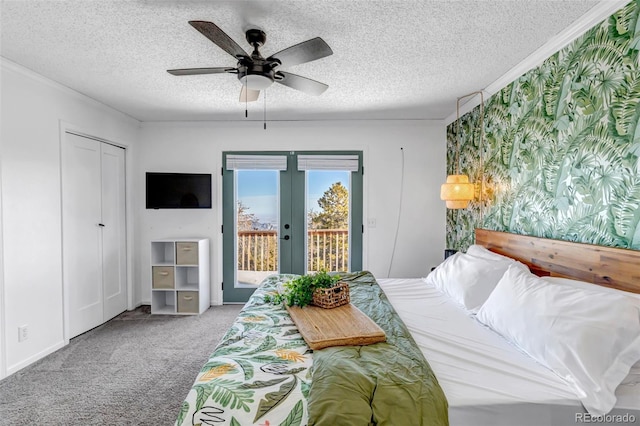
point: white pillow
(485, 253)
(589, 338)
(634, 373)
(467, 279)
(583, 285)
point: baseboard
(19, 366)
(136, 306)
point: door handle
(286, 237)
(101, 225)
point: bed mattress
(487, 380)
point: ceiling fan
(254, 71)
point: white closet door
(114, 231)
(82, 236)
(94, 232)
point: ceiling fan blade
(198, 71)
(300, 53)
(249, 95)
(303, 84)
(219, 37)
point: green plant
(299, 291)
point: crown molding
(282, 122)
(593, 17)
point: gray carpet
(133, 370)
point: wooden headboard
(606, 266)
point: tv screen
(178, 190)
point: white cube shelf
(180, 276)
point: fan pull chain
(246, 94)
(265, 109)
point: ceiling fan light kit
(256, 81)
(256, 73)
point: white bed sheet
(487, 380)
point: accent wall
(561, 145)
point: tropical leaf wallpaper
(561, 150)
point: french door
(289, 212)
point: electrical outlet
(23, 333)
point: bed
(261, 372)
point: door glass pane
(257, 217)
(328, 205)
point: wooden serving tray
(345, 325)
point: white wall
(32, 109)
(3, 364)
(198, 147)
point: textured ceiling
(392, 59)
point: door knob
(286, 237)
(286, 226)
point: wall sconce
(458, 191)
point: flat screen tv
(178, 190)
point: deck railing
(258, 250)
(328, 249)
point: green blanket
(382, 384)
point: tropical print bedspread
(261, 372)
(258, 375)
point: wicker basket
(332, 297)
